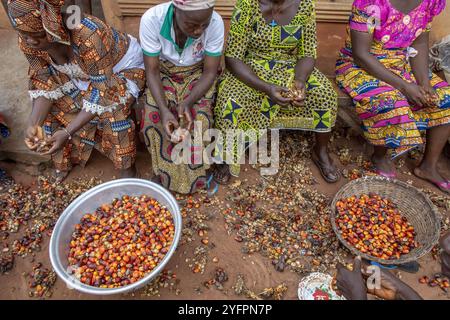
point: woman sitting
(384, 68)
(182, 43)
(84, 78)
(271, 81)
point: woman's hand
(415, 95)
(430, 95)
(392, 288)
(389, 285)
(300, 87)
(351, 283)
(170, 124)
(185, 114)
(57, 142)
(32, 137)
(275, 94)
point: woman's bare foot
(128, 173)
(222, 174)
(384, 166)
(433, 176)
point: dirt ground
(257, 270)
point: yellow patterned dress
(272, 53)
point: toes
(333, 175)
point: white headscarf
(193, 5)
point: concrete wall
(4, 20)
(441, 25)
(15, 104)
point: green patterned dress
(272, 53)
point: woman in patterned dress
(83, 82)
(272, 48)
(182, 42)
(384, 67)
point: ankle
(377, 159)
(320, 150)
(428, 167)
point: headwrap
(39, 15)
(193, 5)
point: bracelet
(68, 133)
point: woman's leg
(321, 106)
(382, 162)
(438, 121)
(385, 113)
(437, 137)
(128, 173)
(325, 163)
(447, 150)
(238, 107)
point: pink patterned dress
(388, 118)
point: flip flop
(322, 169)
(208, 186)
(444, 186)
(389, 175)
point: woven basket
(412, 204)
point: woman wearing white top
(182, 43)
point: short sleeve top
(391, 27)
(157, 37)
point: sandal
(325, 170)
(388, 175)
(444, 186)
(220, 177)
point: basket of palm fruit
(386, 221)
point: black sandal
(324, 170)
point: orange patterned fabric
(112, 134)
(39, 15)
(97, 49)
